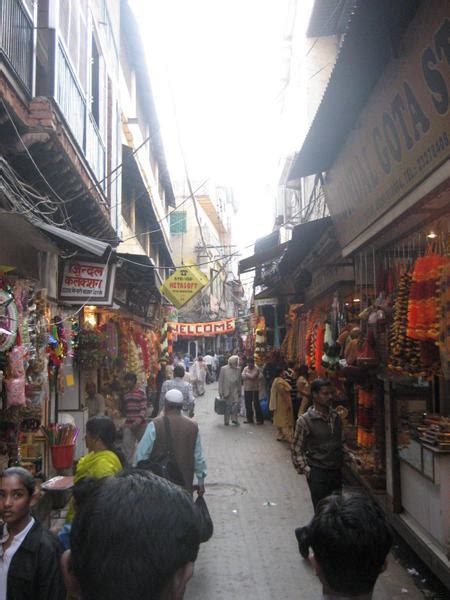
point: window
(178, 222)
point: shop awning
(260, 258)
(373, 30)
(75, 240)
(137, 283)
(329, 17)
(303, 238)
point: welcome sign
(203, 329)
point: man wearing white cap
(187, 446)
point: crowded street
(256, 500)
(224, 300)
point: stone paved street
(256, 500)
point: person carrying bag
(164, 464)
(173, 439)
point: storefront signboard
(84, 282)
(183, 285)
(402, 134)
(203, 329)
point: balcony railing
(95, 150)
(72, 103)
(70, 98)
(16, 41)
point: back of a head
(233, 361)
(131, 535)
(350, 538)
(178, 371)
(103, 428)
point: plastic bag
(15, 391)
(205, 524)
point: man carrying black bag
(175, 434)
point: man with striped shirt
(134, 409)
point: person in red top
(134, 409)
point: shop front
(388, 192)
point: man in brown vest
(317, 449)
(186, 441)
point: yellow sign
(402, 134)
(182, 285)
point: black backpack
(164, 464)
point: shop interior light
(431, 235)
(90, 318)
(356, 300)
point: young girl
(29, 554)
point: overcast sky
(216, 68)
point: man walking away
(317, 449)
(135, 535)
(198, 376)
(186, 441)
(134, 408)
(250, 377)
(350, 538)
(208, 360)
(178, 383)
(230, 389)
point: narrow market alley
(256, 500)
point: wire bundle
(60, 434)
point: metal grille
(16, 40)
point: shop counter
(425, 489)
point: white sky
(221, 64)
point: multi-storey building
(201, 235)
(83, 179)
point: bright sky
(221, 63)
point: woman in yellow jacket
(281, 405)
(103, 460)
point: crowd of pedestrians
(134, 506)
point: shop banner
(203, 329)
(183, 285)
(402, 134)
(87, 282)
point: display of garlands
(423, 304)
(260, 340)
(404, 352)
(90, 350)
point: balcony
(72, 103)
(16, 42)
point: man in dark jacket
(317, 449)
(186, 441)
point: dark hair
(278, 372)
(130, 376)
(178, 371)
(155, 533)
(350, 538)
(25, 477)
(104, 429)
(199, 357)
(303, 371)
(318, 384)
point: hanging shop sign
(266, 302)
(203, 329)
(182, 285)
(87, 282)
(403, 133)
